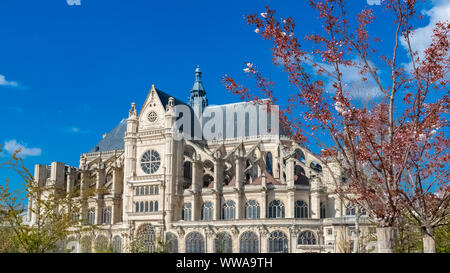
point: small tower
(197, 99)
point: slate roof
(164, 97)
(113, 140)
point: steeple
(197, 99)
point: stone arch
(249, 242)
(278, 242)
(146, 239)
(171, 242)
(101, 244)
(223, 243)
(195, 243)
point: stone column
(264, 235)
(293, 233)
(290, 167)
(100, 182)
(217, 207)
(315, 197)
(290, 206)
(99, 212)
(130, 140)
(197, 185)
(263, 204)
(70, 179)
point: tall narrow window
(91, 216)
(107, 215)
(323, 210)
(186, 212)
(229, 210)
(156, 206)
(252, 210)
(207, 211)
(276, 209)
(269, 163)
(117, 244)
(301, 209)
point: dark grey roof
(113, 140)
(164, 97)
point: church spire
(197, 99)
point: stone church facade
(244, 194)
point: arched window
(299, 176)
(316, 166)
(156, 206)
(86, 244)
(350, 209)
(249, 242)
(156, 190)
(278, 242)
(146, 206)
(91, 216)
(101, 244)
(107, 215)
(301, 209)
(306, 238)
(152, 190)
(171, 243)
(195, 243)
(276, 209)
(207, 211)
(151, 206)
(252, 210)
(146, 238)
(117, 244)
(187, 168)
(223, 243)
(299, 155)
(269, 163)
(142, 207)
(186, 212)
(137, 206)
(146, 190)
(142, 191)
(323, 210)
(229, 210)
(137, 191)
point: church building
(236, 193)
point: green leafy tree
(53, 211)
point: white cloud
(421, 38)
(75, 130)
(11, 146)
(374, 2)
(4, 82)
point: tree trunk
(357, 233)
(428, 240)
(385, 239)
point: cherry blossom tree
(393, 150)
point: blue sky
(69, 73)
